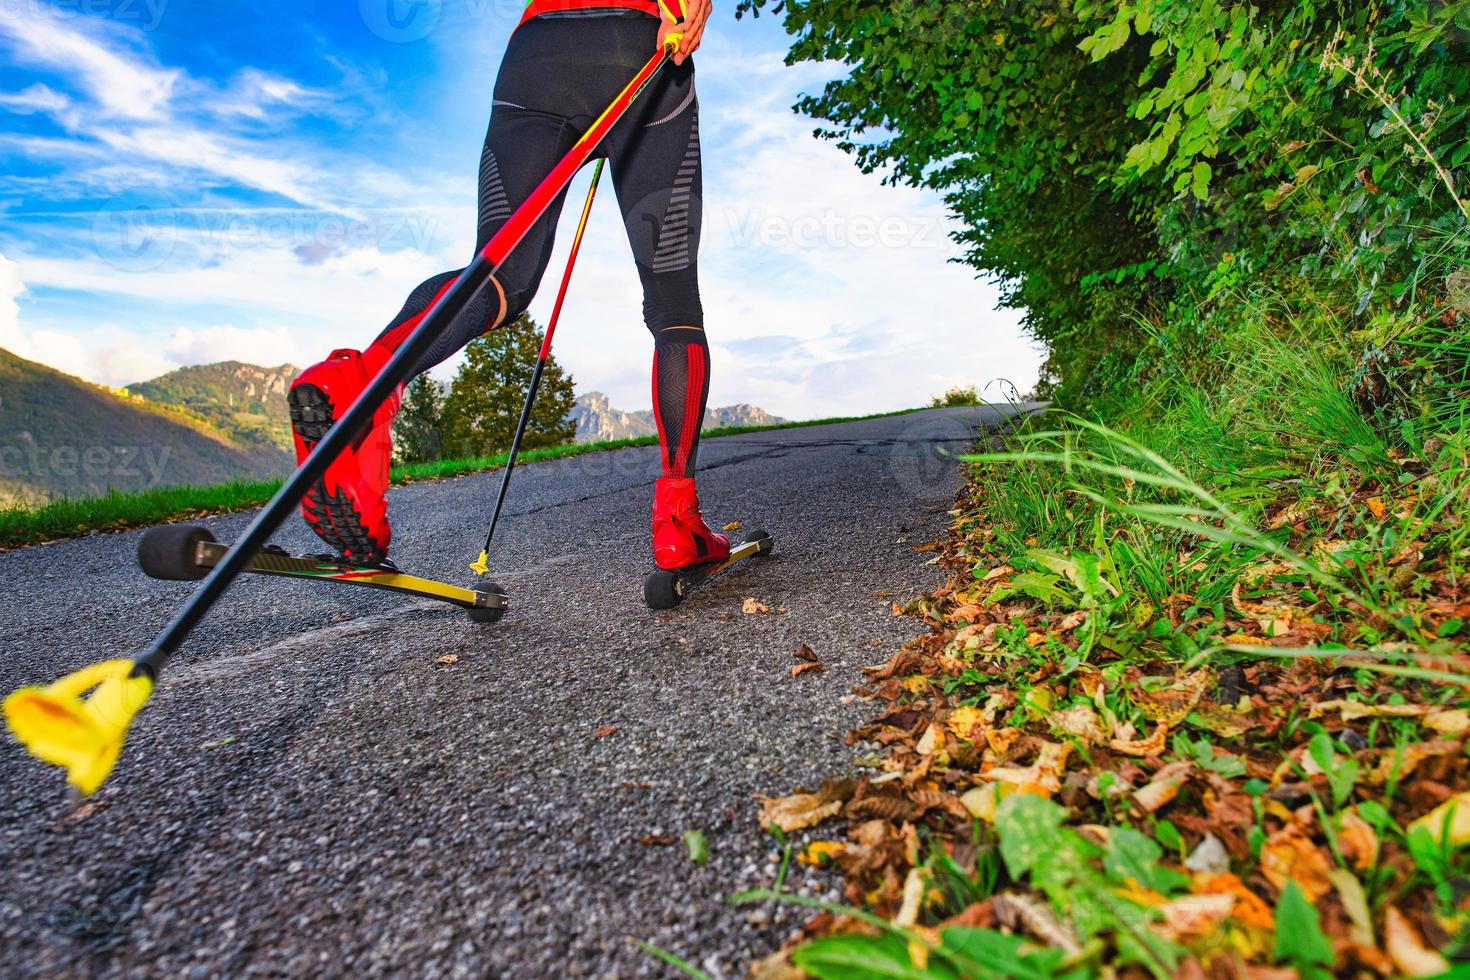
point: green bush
(1126, 170)
(957, 397)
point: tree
(485, 400)
(418, 432)
(1113, 164)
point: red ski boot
(680, 537)
(348, 507)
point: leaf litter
(1046, 784)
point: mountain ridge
(598, 421)
(61, 436)
(245, 401)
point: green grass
(22, 526)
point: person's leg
(530, 144)
(348, 507)
(655, 156)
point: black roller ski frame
(666, 590)
(182, 553)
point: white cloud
(265, 346)
(10, 289)
(140, 111)
(121, 84)
(114, 356)
(105, 355)
(256, 94)
(36, 98)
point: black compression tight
(558, 75)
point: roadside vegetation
(1195, 700)
(960, 396)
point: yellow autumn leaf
(819, 852)
(964, 720)
(1452, 816)
(916, 684)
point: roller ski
(185, 553)
(687, 552)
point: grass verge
(1196, 698)
(22, 526)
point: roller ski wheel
(171, 553)
(182, 553)
(663, 591)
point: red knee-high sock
(680, 394)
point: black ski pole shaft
(482, 567)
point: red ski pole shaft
(482, 567)
(151, 662)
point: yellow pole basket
(82, 735)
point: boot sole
(333, 516)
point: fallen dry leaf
(1398, 763)
(1249, 909)
(806, 653)
(732, 526)
(1403, 945)
(751, 607)
(819, 852)
(449, 660)
(1147, 748)
(1358, 840)
(1162, 789)
(1209, 857)
(801, 810)
(967, 722)
(653, 840)
(800, 669)
(1195, 916)
(1042, 778)
(1172, 704)
(86, 810)
(1290, 855)
(1020, 911)
(606, 732)
(1448, 722)
(1082, 723)
(1355, 903)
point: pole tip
(482, 567)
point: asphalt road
(309, 793)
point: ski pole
(84, 735)
(482, 566)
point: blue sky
(183, 181)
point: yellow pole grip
(82, 735)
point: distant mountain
(60, 436)
(598, 421)
(246, 402)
